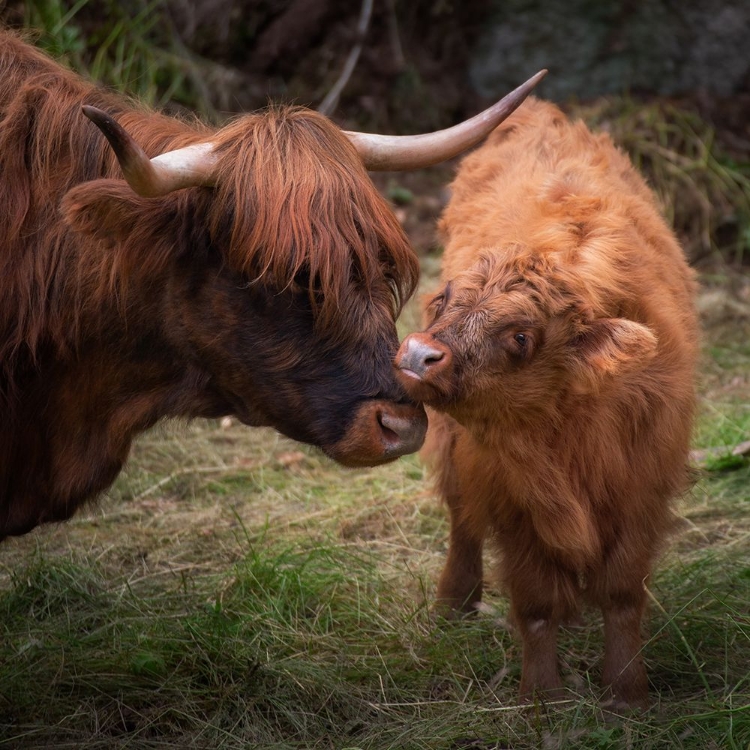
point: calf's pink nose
(420, 354)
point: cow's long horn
(403, 152)
(183, 167)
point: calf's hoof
(454, 609)
(625, 704)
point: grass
(129, 46)
(704, 191)
(238, 590)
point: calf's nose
(421, 355)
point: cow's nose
(420, 355)
(403, 428)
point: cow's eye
(521, 339)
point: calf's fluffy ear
(611, 346)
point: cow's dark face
(281, 285)
(510, 337)
(270, 364)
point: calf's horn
(403, 152)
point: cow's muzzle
(381, 431)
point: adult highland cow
(252, 270)
(559, 367)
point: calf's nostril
(417, 356)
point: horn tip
(94, 114)
(535, 79)
(106, 123)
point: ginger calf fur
(558, 370)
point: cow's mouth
(381, 431)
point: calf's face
(509, 336)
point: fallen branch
(702, 455)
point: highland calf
(558, 367)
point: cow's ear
(611, 346)
(109, 210)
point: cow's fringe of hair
(293, 205)
(306, 212)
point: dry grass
(236, 589)
(704, 192)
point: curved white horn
(403, 152)
(185, 167)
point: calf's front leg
(542, 595)
(460, 586)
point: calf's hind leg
(624, 673)
(620, 591)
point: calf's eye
(521, 339)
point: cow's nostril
(402, 433)
(432, 357)
(387, 426)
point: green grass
(320, 645)
(129, 46)
(236, 590)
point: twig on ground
(704, 454)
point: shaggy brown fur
(272, 296)
(559, 364)
(292, 194)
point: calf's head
(513, 334)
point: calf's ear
(609, 347)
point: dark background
(670, 79)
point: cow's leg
(460, 585)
